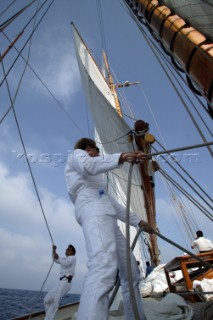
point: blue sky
(49, 135)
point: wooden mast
(147, 186)
(144, 141)
(192, 51)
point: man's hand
(145, 226)
(132, 157)
(55, 255)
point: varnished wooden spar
(144, 142)
(192, 50)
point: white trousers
(106, 249)
(52, 298)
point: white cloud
(57, 64)
(24, 240)
(7, 142)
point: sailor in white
(97, 213)
(203, 244)
(67, 271)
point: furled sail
(199, 13)
(184, 29)
(111, 127)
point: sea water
(15, 303)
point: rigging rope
(7, 7)
(19, 130)
(176, 205)
(10, 20)
(28, 37)
(25, 152)
(182, 177)
(101, 22)
(192, 199)
(128, 249)
(57, 101)
(193, 146)
(179, 165)
(23, 145)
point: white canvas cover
(199, 13)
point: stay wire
(149, 155)
(12, 101)
(24, 148)
(11, 19)
(192, 199)
(101, 22)
(31, 173)
(45, 86)
(26, 42)
(192, 146)
(179, 205)
(182, 177)
(7, 7)
(182, 168)
(12, 104)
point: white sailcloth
(112, 130)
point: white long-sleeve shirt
(67, 265)
(84, 173)
(82, 170)
(202, 244)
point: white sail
(111, 128)
(116, 191)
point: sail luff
(100, 74)
(190, 48)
